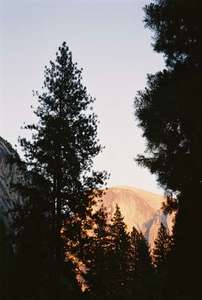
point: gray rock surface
(9, 173)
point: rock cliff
(8, 177)
(140, 209)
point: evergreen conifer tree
(119, 262)
(169, 112)
(98, 256)
(141, 271)
(161, 256)
(108, 262)
(161, 248)
(59, 159)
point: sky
(108, 40)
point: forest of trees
(59, 245)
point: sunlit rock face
(8, 176)
(139, 208)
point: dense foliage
(169, 112)
(60, 184)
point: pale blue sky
(109, 41)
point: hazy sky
(109, 41)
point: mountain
(139, 208)
(8, 176)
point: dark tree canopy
(98, 257)
(162, 248)
(177, 29)
(61, 185)
(169, 113)
(119, 261)
(169, 108)
(65, 141)
(141, 275)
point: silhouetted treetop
(177, 29)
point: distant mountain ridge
(139, 208)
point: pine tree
(161, 256)
(59, 159)
(98, 256)
(178, 30)
(119, 262)
(141, 271)
(108, 257)
(169, 109)
(162, 248)
(169, 112)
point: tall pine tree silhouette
(59, 157)
(108, 258)
(141, 270)
(98, 257)
(120, 244)
(169, 112)
(162, 248)
(161, 256)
